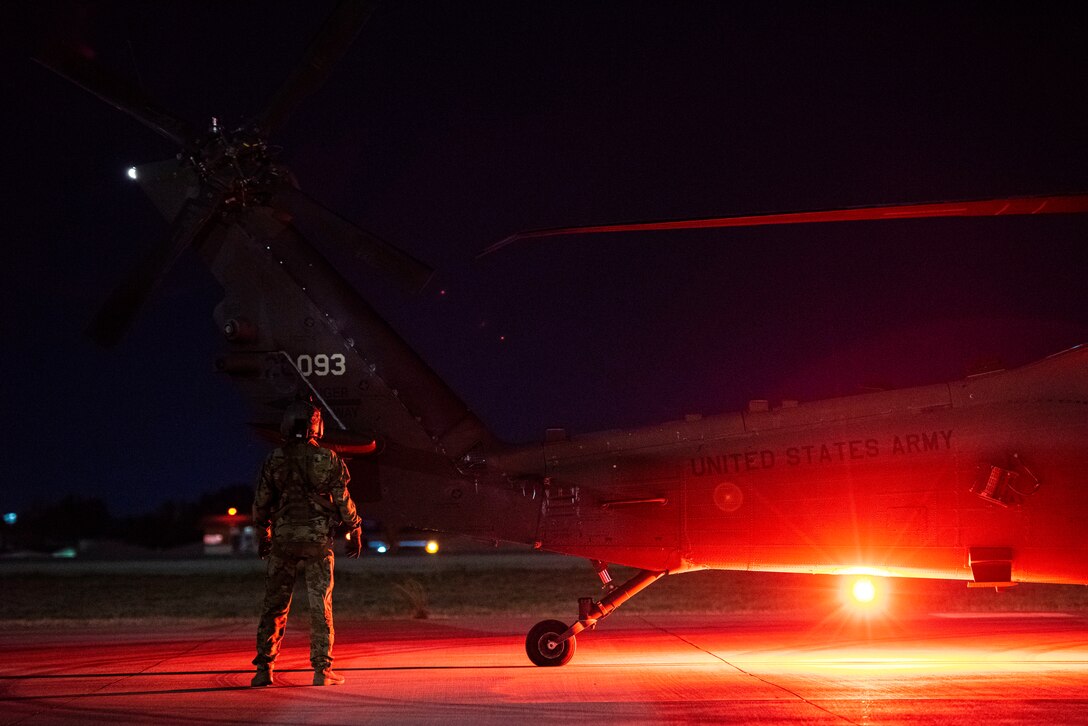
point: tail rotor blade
(406, 270)
(322, 55)
(113, 320)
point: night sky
(452, 125)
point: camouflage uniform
(301, 494)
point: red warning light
(864, 595)
(864, 590)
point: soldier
(301, 494)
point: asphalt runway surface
(993, 668)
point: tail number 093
(322, 364)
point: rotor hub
(238, 164)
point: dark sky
(451, 125)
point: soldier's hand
(264, 547)
(355, 544)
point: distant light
(348, 536)
(11, 518)
(213, 539)
(382, 549)
(65, 553)
(432, 547)
(132, 172)
(232, 511)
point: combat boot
(263, 677)
(326, 677)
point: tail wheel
(543, 646)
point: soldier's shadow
(227, 681)
(224, 681)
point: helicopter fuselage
(976, 480)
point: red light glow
(864, 590)
(864, 595)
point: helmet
(302, 420)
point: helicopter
(974, 480)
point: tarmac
(743, 668)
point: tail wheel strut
(551, 643)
